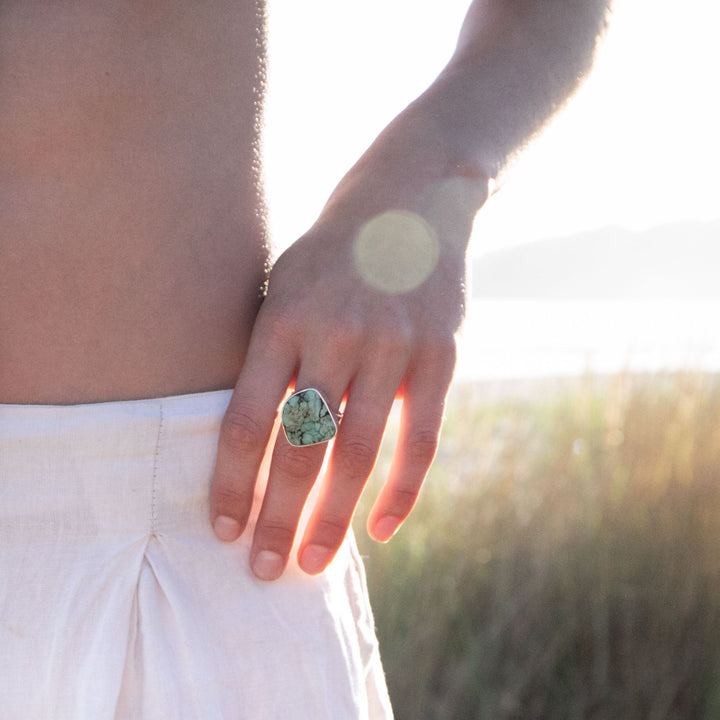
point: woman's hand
(366, 305)
(364, 308)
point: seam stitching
(153, 501)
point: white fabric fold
(118, 603)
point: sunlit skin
(134, 251)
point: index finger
(246, 429)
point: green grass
(563, 560)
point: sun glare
(637, 146)
(396, 252)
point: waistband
(173, 404)
(130, 467)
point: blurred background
(563, 561)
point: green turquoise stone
(307, 420)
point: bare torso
(131, 250)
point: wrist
(412, 166)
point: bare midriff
(132, 250)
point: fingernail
(268, 565)
(386, 527)
(226, 528)
(315, 558)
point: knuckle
(440, 352)
(347, 335)
(332, 530)
(393, 338)
(404, 497)
(357, 453)
(280, 324)
(297, 465)
(229, 496)
(407, 492)
(421, 447)
(241, 430)
(442, 346)
(276, 534)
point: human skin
(325, 324)
(131, 236)
(134, 249)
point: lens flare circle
(396, 252)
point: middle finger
(353, 457)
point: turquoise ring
(307, 419)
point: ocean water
(510, 338)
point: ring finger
(293, 472)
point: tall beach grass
(564, 558)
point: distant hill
(676, 260)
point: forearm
(516, 63)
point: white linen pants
(117, 601)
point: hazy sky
(637, 146)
